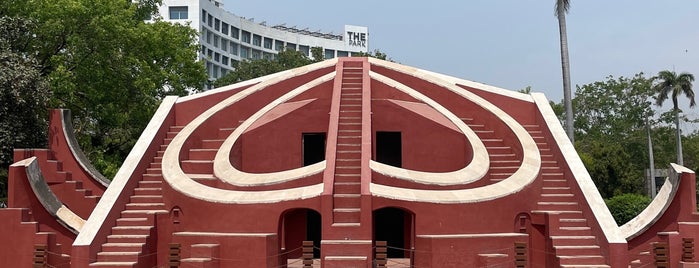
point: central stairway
(347, 186)
(347, 244)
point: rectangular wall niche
(313, 148)
(389, 149)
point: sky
(510, 43)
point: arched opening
(296, 226)
(396, 226)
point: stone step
(197, 166)
(347, 188)
(117, 256)
(122, 247)
(573, 240)
(347, 200)
(577, 250)
(597, 260)
(145, 206)
(146, 198)
(113, 264)
(131, 230)
(127, 238)
(148, 191)
(133, 222)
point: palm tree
(562, 7)
(672, 85)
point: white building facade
(227, 39)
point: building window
(209, 37)
(244, 52)
(234, 48)
(234, 32)
(329, 53)
(217, 25)
(178, 13)
(209, 53)
(268, 43)
(291, 46)
(257, 40)
(217, 56)
(278, 45)
(246, 37)
(216, 40)
(256, 54)
(267, 55)
(224, 44)
(203, 16)
(210, 20)
(342, 53)
(224, 60)
(203, 49)
(304, 49)
(224, 28)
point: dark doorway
(394, 226)
(313, 148)
(313, 231)
(389, 148)
(296, 226)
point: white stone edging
(116, 187)
(579, 172)
(474, 171)
(652, 213)
(525, 174)
(179, 181)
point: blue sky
(509, 43)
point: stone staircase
(347, 186)
(346, 244)
(503, 160)
(127, 246)
(574, 244)
(71, 192)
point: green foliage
(246, 70)
(317, 53)
(626, 206)
(376, 54)
(611, 132)
(23, 95)
(108, 66)
(671, 85)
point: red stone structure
(350, 162)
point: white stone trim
(525, 175)
(577, 169)
(224, 170)
(179, 181)
(116, 187)
(652, 213)
(474, 171)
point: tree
(626, 206)
(611, 132)
(108, 66)
(562, 7)
(284, 60)
(670, 85)
(23, 95)
(246, 70)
